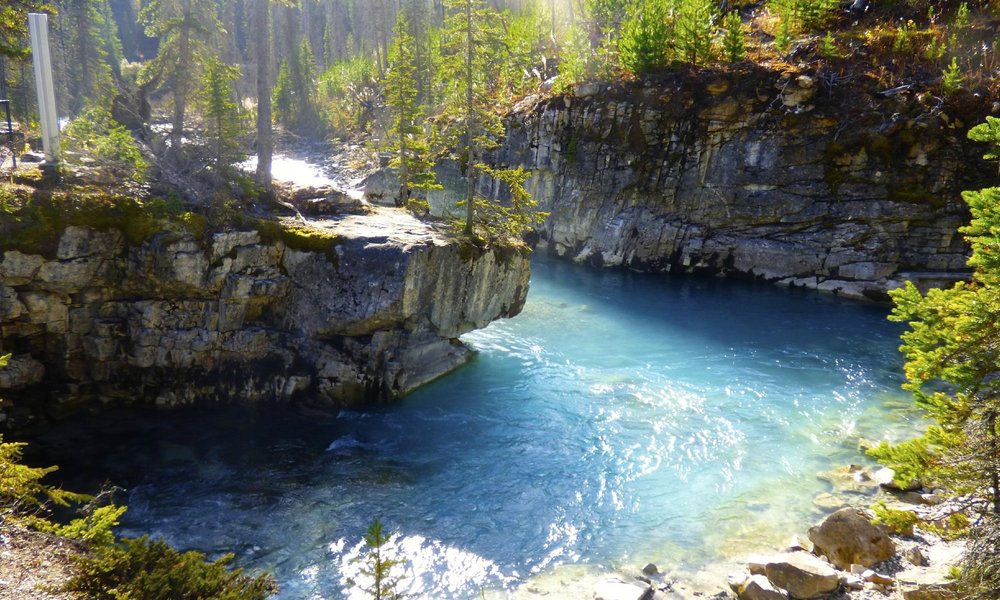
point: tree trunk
(265, 140)
(182, 76)
(470, 118)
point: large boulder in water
(847, 537)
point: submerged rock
(847, 537)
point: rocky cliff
(798, 178)
(371, 310)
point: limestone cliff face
(178, 320)
(790, 178)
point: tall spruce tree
(184, 28)
(218, 106)
(92, 49)
(402, 99)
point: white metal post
(38, 25)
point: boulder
(929, 591)
(847, 537)
(758, 587)
(802, 575)
(616, 589)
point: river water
(620, 419)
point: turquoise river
(620, 419)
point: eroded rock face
(179, 320)
(778, 178)
(848, 538)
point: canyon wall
(795, 178)
(176, 320)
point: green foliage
(911, 460)
(606, 16)
(508, 221)
(935, 50)
(14, 26)
(379, 566)
(348, 92)
(952, 78)
(646, 36)
(21, 487)
(97, 136)
(693, 30)
(224, 124)
(828, 46)
(989, 133)
(412, 153)
(900, 522)
(184, 29)
(783, 39)
(734, 44)
(901, 44)
(152, 570)
(294, 92)
(804, 15)
(95, 528)
(961, 20)
(91, 44)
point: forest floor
(33, 565)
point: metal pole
(38, 24)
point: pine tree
(734, 44)
(184, 28)
(693, 30)
(402, 99)
(93, 48)
(953, 370)
(295, 90)
(378, 566)
(470, 33)
(647, 36)
(224, 126)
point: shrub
(734, 44)
(21, 488)
(152, 570)
(96, 136)
(804, 15)
(900, 522)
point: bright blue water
(620, 419)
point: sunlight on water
(619, 419)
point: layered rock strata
(799, 179)
(371, 312)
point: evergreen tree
(693, 30)
(647, 36)
(224, 126)
(471, 32)
(378, 566)
(734, 43)
(402, 97)
(295, 90)
(953, 369)
(184, 28)
(92, 47)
